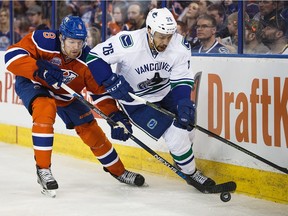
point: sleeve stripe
(188, 82)
(13, 54)
(91, 57)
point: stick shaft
(172, 115)
(241, 149)
(136, 140)
(228, 186)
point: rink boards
(241, 99)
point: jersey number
(108, 49)
(49, 35)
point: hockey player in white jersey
(153, 63)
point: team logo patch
(56, 61)
(186, 43)
(152, 124)
(68, 76)
(223, 50)
(4, 41)
(154, 15)
(126, 41)
(152, 82)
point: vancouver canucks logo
(152, 124)
(223, 50)
(151, 82)
(185, 43)
(126, 40)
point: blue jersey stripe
(11, 54)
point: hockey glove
(50, 73)
(123, 129)
(185, 114)
(118, 88)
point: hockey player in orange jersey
(42, 61)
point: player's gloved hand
(120, 132)
(52, 75)
(118, 88)
(185, 114)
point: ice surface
(86, 190)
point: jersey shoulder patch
(46, 39)
(126, 40)
(186, 44)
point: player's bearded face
(73, 47)
(161, 41)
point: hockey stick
(172, 115)
(224, 187)
(110, 121)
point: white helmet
(161, 20)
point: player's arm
(20, 58)
(107, 105)
(182, 77)
(98, 61)
(24, 59)
(182, 83)
(185, 107)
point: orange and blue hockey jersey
(20, 59)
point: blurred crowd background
(209, 26)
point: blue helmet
(73, 27)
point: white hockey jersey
(150, 75)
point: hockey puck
(225, 196)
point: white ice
(85, 189)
